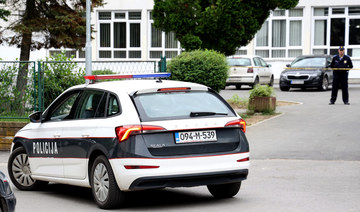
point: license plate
(297, 81)
(195, 136)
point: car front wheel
(224, 190)
(103, 184)
(20, 172)
(284, 88)
(325, 84)
(271, 83)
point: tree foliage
(4, 14)
(62, 23)
(222, 25)
(59, 23)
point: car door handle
(85, 135)
(57, 135)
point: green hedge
(206, 67)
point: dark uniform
(341, 66)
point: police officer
(341, 65)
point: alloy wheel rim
(101, 182)
(21, 170)
(325, 84)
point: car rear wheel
(103, 184)
(20, 172)
(256, 82)
(224, 190)
(325, 84)
(284, 88)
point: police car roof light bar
(122, 76)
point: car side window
(113, 106)
(91, 105)
(64, 108)
(263, 63)
(257, 61)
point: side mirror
(288, 65)
(268, 65)
(35, 117)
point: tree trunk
(25, 48)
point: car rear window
(239, 61)
(180, 105)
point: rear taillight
(250, 70)
(243, 160)
(124, 132)
(241, 123)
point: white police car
(129, 135)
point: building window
(119, 35)
(70, 53)
(162, 43)
(334, 27)
(281, 35)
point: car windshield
(239, 61)
(309, 62)
(180, 105)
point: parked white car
(249, 70)
(130, 135)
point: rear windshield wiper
(195, 114)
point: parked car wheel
(20, 172)
(256, 82)
(3, 206)
(325, 84)
(284, 88)
(271, 83)
(103, 184)
(224, 190)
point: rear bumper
(240, 80)
(190, 180)
(180, 172)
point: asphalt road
(307, 159)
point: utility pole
(88, 40)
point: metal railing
(44, 81)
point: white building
(124, 32)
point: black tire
(284, 88)
(256, 82)
(3, 205)
(325, 84)
(238, 87)
(105, 190)
(271, 83)
(20, 172)
(224, 190)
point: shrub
(261, 90)
(206, 67)
(60, 73)
(13, 104)
(261, 99)
(237, 102)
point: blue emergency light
(125, 76)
